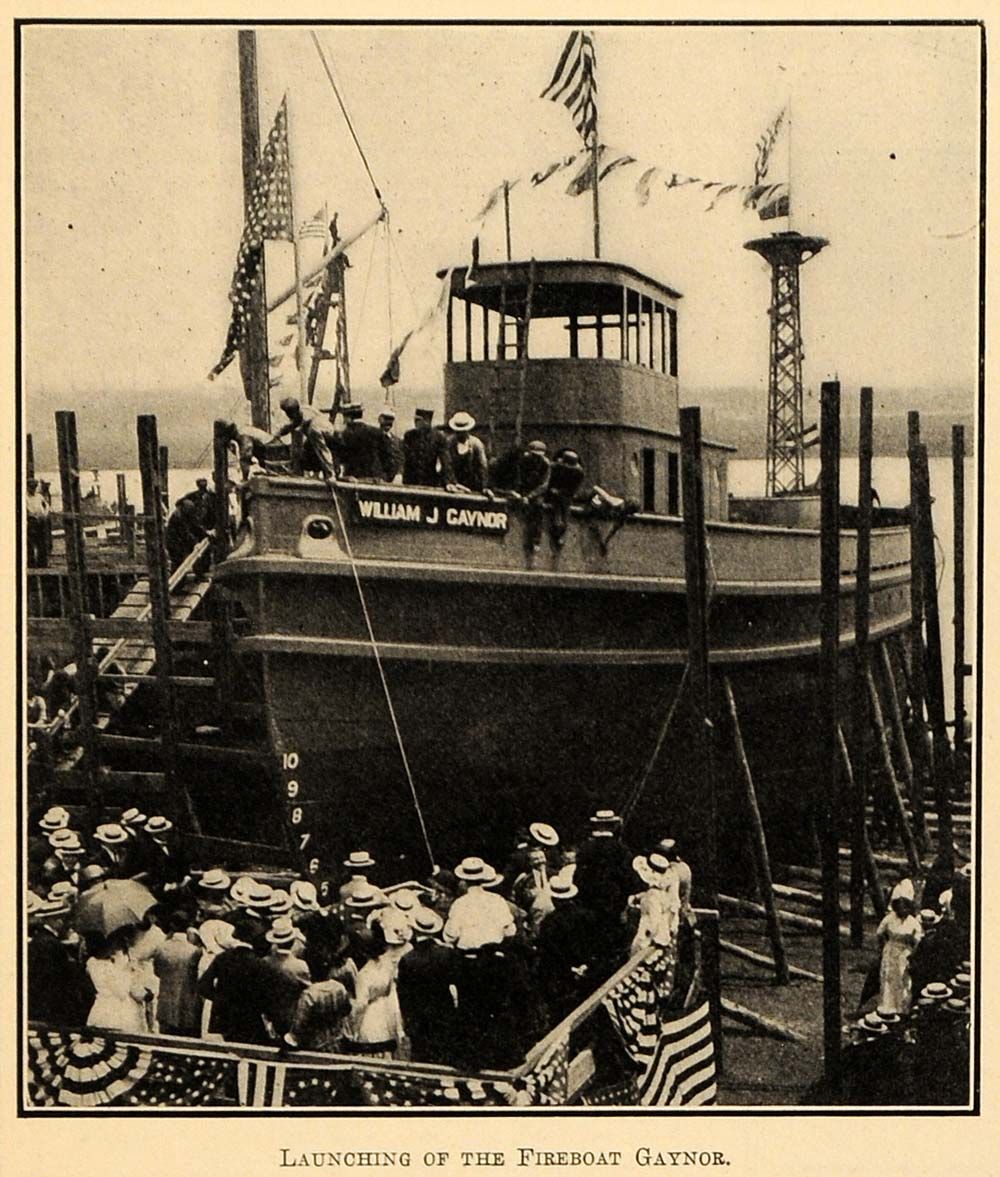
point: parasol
(113, 904)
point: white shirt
(477, 918)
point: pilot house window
(649, 480)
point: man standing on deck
(250, 443)
(38, 526)
(316, 433)
(392, 457)
(364, 451)
(469, 462)
(204, 502)
(426, 455)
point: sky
(132, 201)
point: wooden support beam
(902, 747)
(917, 676)
(942, 759)
(164, 467)
(159, 597)
(29, 458)
(909, 844)
(876, 894)
(757, 839)
(79, 604)
(766, 962)
(794, 919)
(829, 741)
(699, 681)
(958, 573)
(862, 667)
(756, 1021)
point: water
(890, 476)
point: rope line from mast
(347, 117)
(381, 672)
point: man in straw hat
(469, 463)
(59, 991)
(424, 988)
(479, 916)
(112, 849)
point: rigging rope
(347, 117)
(381, 672)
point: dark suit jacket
(423, 451)
(425, 1000)
(239, 985)
(364, 451)
(59, 990)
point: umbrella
(113, 904)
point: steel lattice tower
(785, 253)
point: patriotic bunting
(268, 218)
(390, 375)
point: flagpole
(595, 149)
(300, 349)
(789, 108)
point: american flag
(574, 84)
(268, 218)
(772, 200)
(675, 1049)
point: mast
(253, 354)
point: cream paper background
(765, 1143)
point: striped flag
(268, 218)
(674, 1049)
(260, 1084)
(574, 84)
(315, 227)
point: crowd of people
(454, 459)
(910, 1043)
(469, 968)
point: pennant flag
(623, 161)
(765, 145)
(777, 204)
(558, 165)
(574, 84)
(674, 1049)
(390, 375)
(583, 181)
(723, 191)
(268, 218)
(644, 185)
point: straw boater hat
(404, 900)
(961, 983)
(936, 991)
(215, 879)
(249, 892)
(56, 818)
(281, 903)
(111, 834)
(66, 841)
(359, 860)
(872, 1024)
(63, 890)
(956, 1005)
(427, 922)
(562, 889)
(603, 822)
(462, 422)
(304, 896)
(282, 935)
(216, 935)
(929, 918)
(92, 873)
(365, 898)
(34, 905)
(537, 447)
(158, 825)
(544, 834)
(133, 818)
(888, 1016)
(475, 870)
(387, 411)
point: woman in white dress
(375, 1019)
(659, 906)
(122, 988)
(898, 933)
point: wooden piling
(862, 664)
(829, 708)
(917, 676)
(942, 759)
(958, 572)
(699, 681)
(909, 843)
(758, 841)
(917, 819)
(79, 603)
(164, 465)
(875, 892)
(159, 573)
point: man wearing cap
(316, 434)
(59, 991)
(564, 484)
(364, 451)
(426, 453)
(469, 463)
(392, 457)
(424, 988)
(478, 917)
